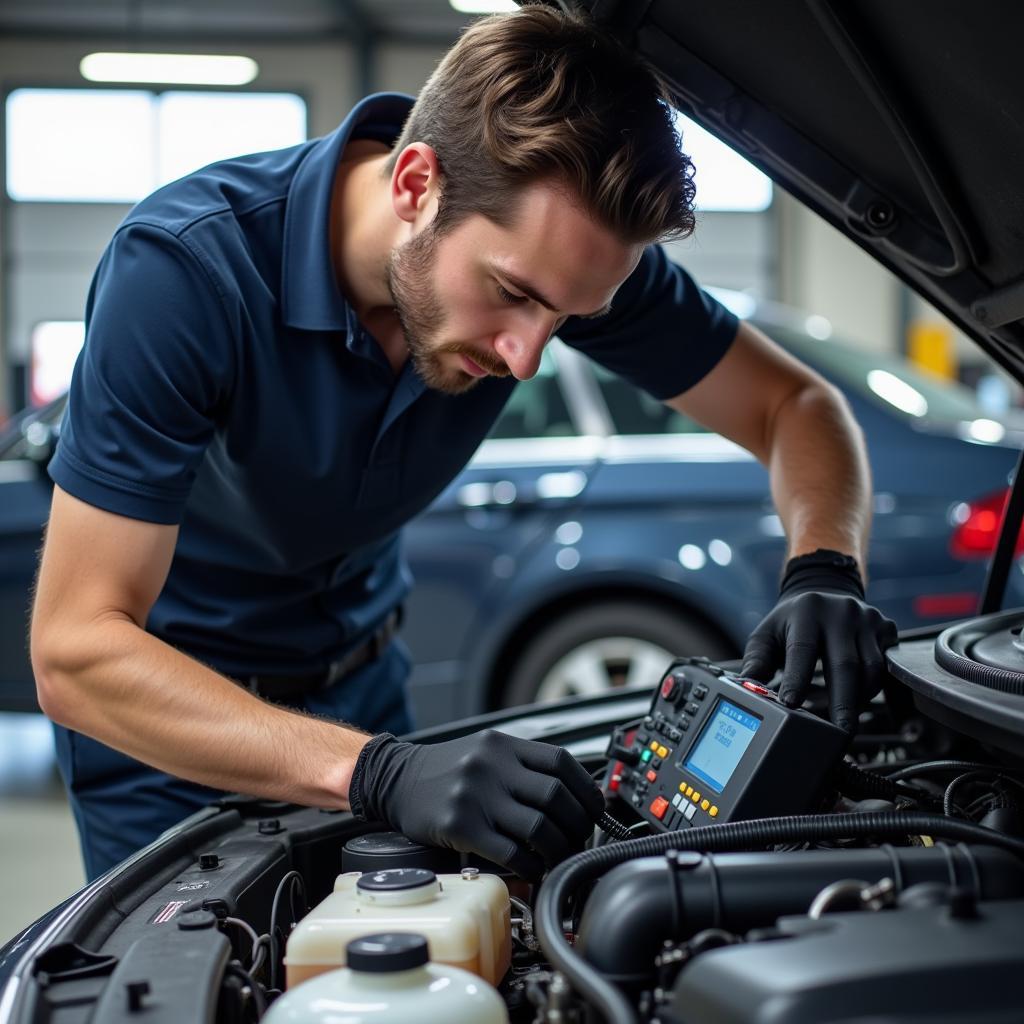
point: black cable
(259, 955)
(237, 922)
(936, 767)
(570, 874)
(234, 967)
(853, 780)
(994, 774)
(947, 797)
(294, 879)
(613, 827)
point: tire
(604, 646)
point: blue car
(597, 532)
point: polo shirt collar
(310, 298)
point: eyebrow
(527, 289)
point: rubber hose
(736, 835)
(928, 767)
(857, 782)
(1006, 680)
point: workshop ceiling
(266, 20)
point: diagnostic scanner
(717, 747)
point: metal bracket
(1000, 307)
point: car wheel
(603, 647)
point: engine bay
(753, 865)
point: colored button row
(688, 810)
(659, 749)
(686, 790)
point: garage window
(118, 145)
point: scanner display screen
(716, 754)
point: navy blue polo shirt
(226, 385)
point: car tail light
(978, 524)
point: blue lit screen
(721, 745)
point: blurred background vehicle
(598, 533)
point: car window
(536, 408)
(884, 379)
(635, 412)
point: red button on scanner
(658, 807)
(668, 688)
(652, 776)
(756, 688)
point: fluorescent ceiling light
(483, 6)
(169, 68)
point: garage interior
(328, 53)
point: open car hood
(900, 124)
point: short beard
(408, 275)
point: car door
(536, 464)
(25, 493)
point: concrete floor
(39, 858)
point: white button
(691, 810)
(677, 799)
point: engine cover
(903, 966)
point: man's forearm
(820, 477)
(135, 693)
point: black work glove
(821, 613)
(519, 803)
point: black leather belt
(277, 687)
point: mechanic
(289, 355)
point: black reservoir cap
(378, 850)
(395, 879)
(387, 952)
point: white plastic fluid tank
(389, 980)
(465, 918)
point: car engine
(753, 865)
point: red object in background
(946, 606)
(616, 777)
(976, 536)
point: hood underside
(902, 124)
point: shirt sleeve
(156, 367)
(663, 333)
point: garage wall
(823, 272)
(49, 251)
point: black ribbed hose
(611, 1003)
(939, 767)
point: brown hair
(544, 95)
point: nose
(522, 349)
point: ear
(416, 183)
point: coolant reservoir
(465, 919)
(389, 981)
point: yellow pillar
(930, 348)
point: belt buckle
(374, 646)
(335, 671)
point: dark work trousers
(121, 805)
